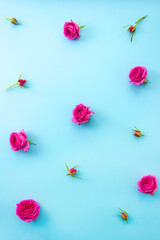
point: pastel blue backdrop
(61, 74)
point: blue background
(61, 74)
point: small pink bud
(72, 172)
(132, 29)
(13, 20)
(123, 215)
(21, 82)
(137, 133)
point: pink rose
(28, 210)
(72, 171)
(138, 75)
(21, 82)
(19, 141)
(71, 30)
(137, 133)
(81, 114)
(13, 20)
(132, 29)
(148, 184)
(123, 215)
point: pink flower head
(138, 75)
(81, 114)
(28, 210)
(19, 141)
(123, 215)
(137, 133)
(132, 28)
(21, 82)
(72, 172)
(72, 30)
(13, 20)
(148, 184)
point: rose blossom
(71, 30)
(137, 133)
(20, 83)
(19, 141)
(81, 114)
(123, 215)
(28, 210)
(148, 184)
(13, 20)
(72, 171)
(138, 75)
(132, 28)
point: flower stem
(20, 76)
(141, 19)
(12, 86)
(31, 142)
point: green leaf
(141, 19)
(126, 26)
(82, 26)
(67, 167)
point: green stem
(20, 76)
(141, 19)
(31, 142)
(12, 86)
(127, 26)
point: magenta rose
(71, 30)
(81, 114)
(148, 184)
(21, 82)
(19, 141)
(138, 75)
(132, 28)
(28, 210)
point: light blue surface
(94, 71)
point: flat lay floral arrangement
(28, 210)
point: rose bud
(72, 172)
(138, 75)
(72, 30)
(137, 133)
(20, 83)
(28, 210)
(132, 28)
(19, 141)
(13, 21)
(123, 215)
(81, 114)
(148, 184)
